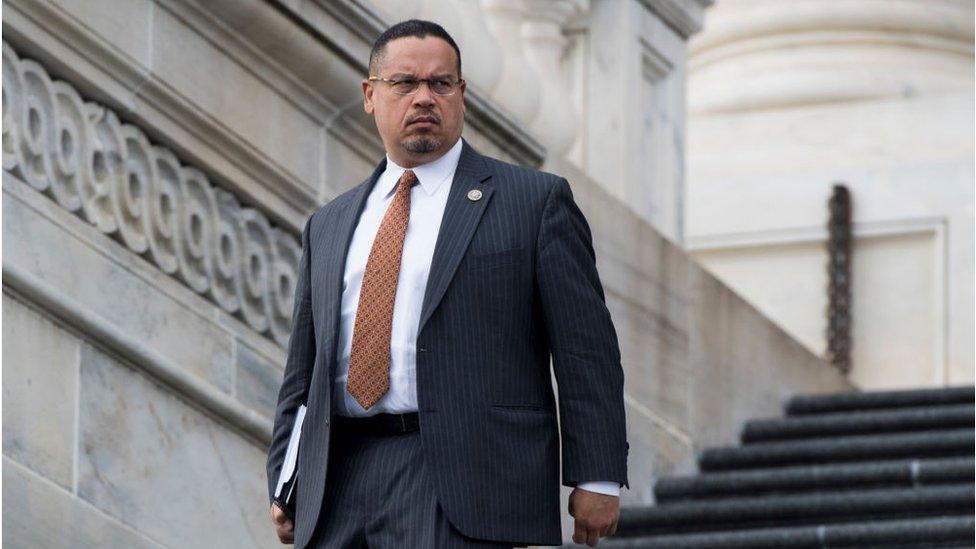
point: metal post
(839, 274)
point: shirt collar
(430, 175)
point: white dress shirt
(427, 202)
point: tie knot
(407, 180)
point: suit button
(423, 349)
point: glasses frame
(392, 81)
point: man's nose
(423, 96)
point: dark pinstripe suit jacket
(513, 278)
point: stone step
(849, 476)
(940, 443)
(795, 510)
(873, 400)
(860, 422)
(948, 532)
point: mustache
(418, 116)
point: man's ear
(368, 96)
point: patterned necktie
(369, 361)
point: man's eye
(442, 87)
(405, 83)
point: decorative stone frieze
(109, 174)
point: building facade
(788, 98)
(160, 158)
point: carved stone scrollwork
(110, 175)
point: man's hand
(596, 515)
(283, 524)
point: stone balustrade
(558, 121)
(108, 173)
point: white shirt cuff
(610, 488)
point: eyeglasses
(409, 85)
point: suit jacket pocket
(538, 408)
(494, 259)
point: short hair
(416, 28)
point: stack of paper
(286, 479)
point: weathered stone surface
(40, 376)
(88, 268)
(654, 353)
(36, 513)
(230, 92)
(258, 380)
(127, 25)
(744, 364)
(148, 458)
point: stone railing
(109, 174)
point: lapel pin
(474, 195)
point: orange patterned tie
(369, 361)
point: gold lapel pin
(474, 195)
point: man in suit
(428, 301)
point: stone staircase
(875, 469)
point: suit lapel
(461, 217)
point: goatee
(421, 145)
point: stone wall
(159, 160)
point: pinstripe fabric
(386, 494)
(513, 279)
